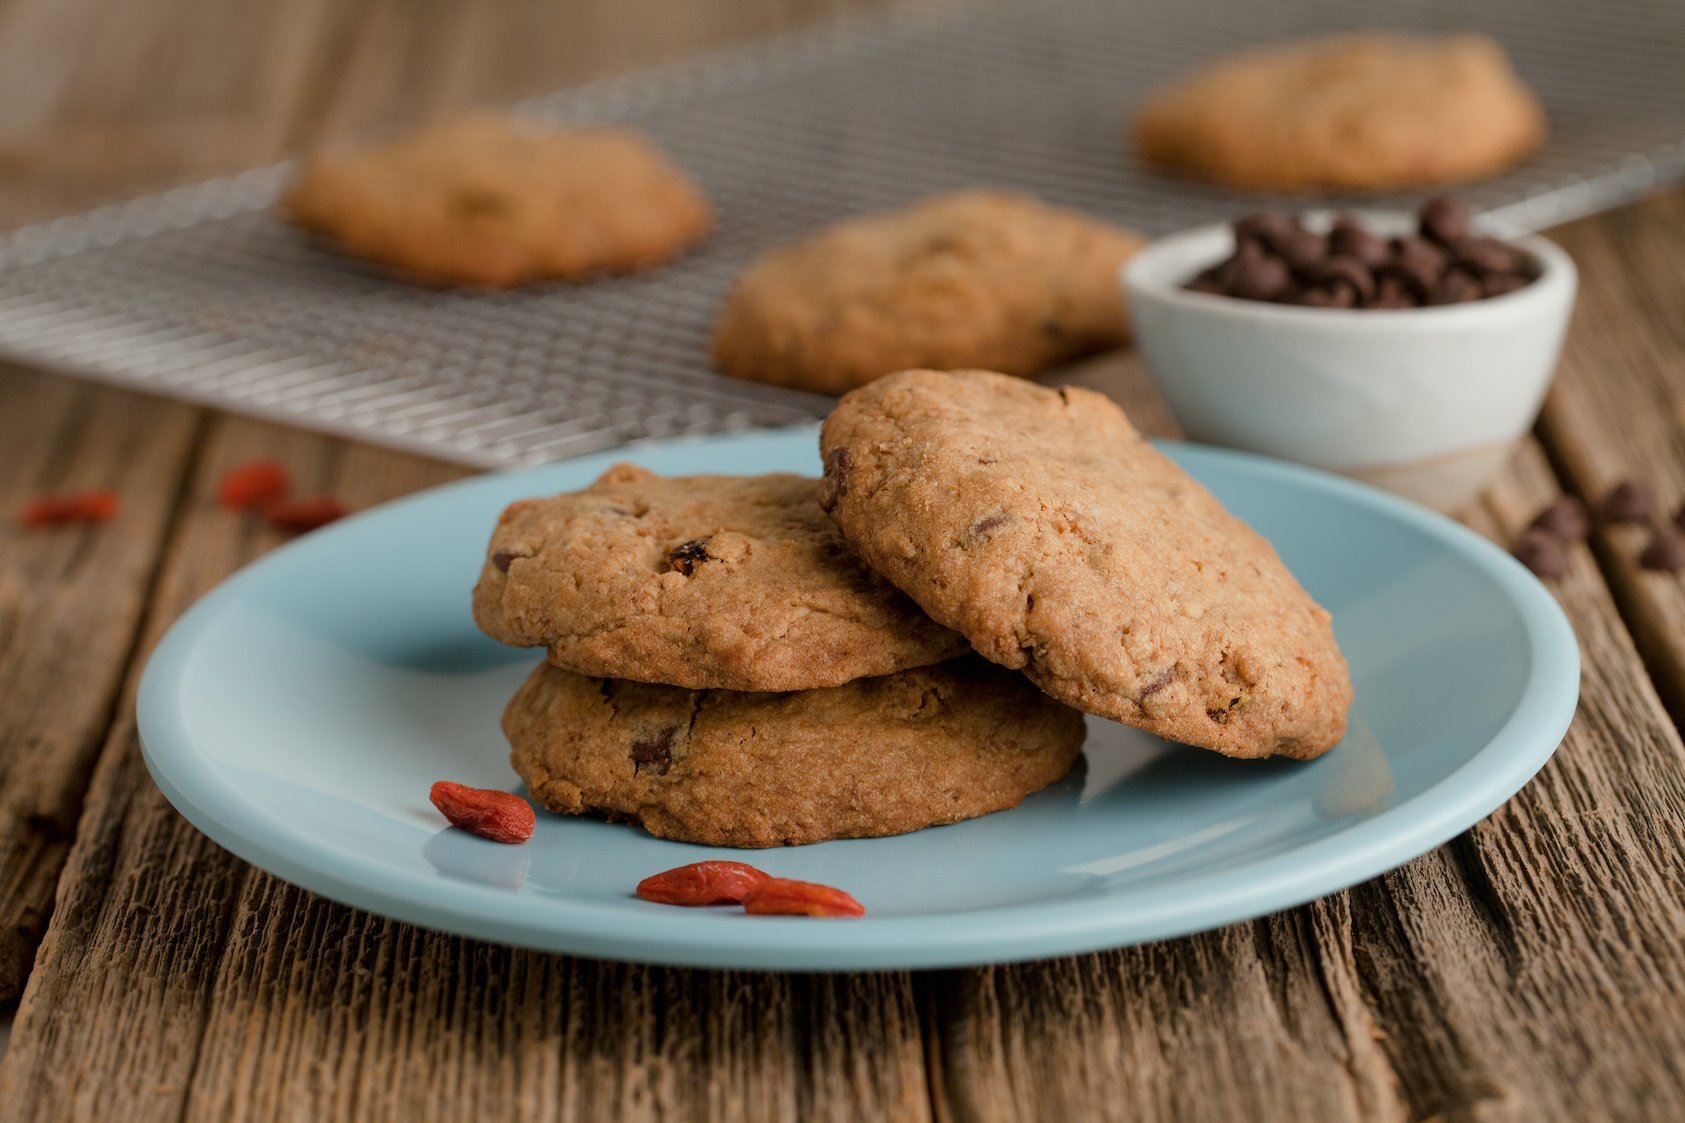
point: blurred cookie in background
(1346, 112)
(489, 201)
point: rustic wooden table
(1533, 969)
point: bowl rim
(1148, 273)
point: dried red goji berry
(256, 483)
(305, 514)
(487, 812)
(781, 896)
(702, 883)
(83, 507)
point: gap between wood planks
(1617, 408)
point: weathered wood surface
(70, 604)
(1618, 407)
(1534, 969)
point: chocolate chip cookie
(707, 582)
(483, 200)
(971, 279)
(1040, 524)
(877, 756)
(1345, 112)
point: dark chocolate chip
(1391, 292)
(1161, 682)
(1500, 284)
(1053, 329)
(1418, 262)
(1339, 294)
(1342, 268)
(1301, 249)
(1483, 256)
(1542, 552)
(1221, 716)
(1350, 239)
(1444, 219)
(984, 528)
(501, 560)
(1264, 226)
(1566, 518)
(654, 750)
(834, 485)
(686, 556)
(1253, 273)
(1627, 502)
(1666, 550)
(1679, 517)
(1455, 287)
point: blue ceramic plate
(299, 712)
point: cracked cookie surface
(707, 582)
(485, 200)
(974, 278)
(1045, 528)
(876, 756)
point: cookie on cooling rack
(976, 278)
(1347, 112)
(489, 201)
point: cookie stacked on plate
(724, 670)
(750, 661)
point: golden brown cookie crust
(976, 278)
(484, 200)
(707, 582)
(1041, 525)
(1345, 112)
(875, 757)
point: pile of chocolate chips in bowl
(1278, 259)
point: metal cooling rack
(202, 294)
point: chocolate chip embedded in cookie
(482, 200)
(1349, 111)
(1041, 525)
(971, 279)
(876, 756)
(709, 582)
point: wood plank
(178, 982)
(102, 101)
(1534, 969)
(1618, 406)
(71, 600)
(106, 100)
(402, 71)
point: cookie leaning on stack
(1044, 527)
(723, 670)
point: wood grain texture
(1618, 407)
(102, 100)
(1534, 969)
(71, 599)
(177, 982)
(1530, 970)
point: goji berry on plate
(254, 484)
(497, 815)
(702, 883)
(782, 896)
(306, 514)
(82, 507)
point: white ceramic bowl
(1427, 402)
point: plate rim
(1014, 932)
